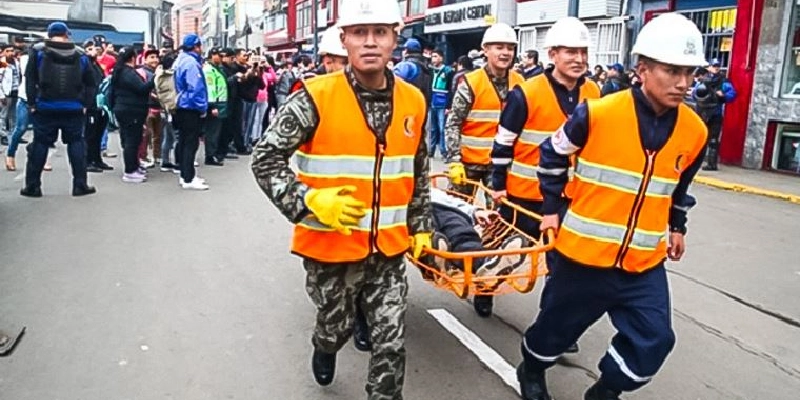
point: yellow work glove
(457, 174)
(335, 207)
(420, 241)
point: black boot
(323, 365)
(483, 305)
(93, 168)
(83, 190)
(598, 391)
(31, 191)
(532, 385)
(361, 332)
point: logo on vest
(408, 126)
(680, 163)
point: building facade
(773, 131)
(457, 26)
(187, 18)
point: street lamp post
(314, 19)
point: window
(790, 86)
(417, 7)
(786, 155)
(303, 20)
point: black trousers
(96, 121)
(190, 126)
(131, 127)
(232, 129)
(46, 127)
(714, 124)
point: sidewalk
(763, 183)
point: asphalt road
(150, 292)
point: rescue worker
(60, 85)
(638, 150)
(534, 110)
(361, 196)
(333, 56)
(473, 119)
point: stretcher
(466, 282)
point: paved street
(149, 292)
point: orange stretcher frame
(464, 283)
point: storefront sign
(466, 15)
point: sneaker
(168, 167)
(196, 164)
(196, 178)
(440, 243)
(147, 164)
(105, 167)
(133, 178)
(142, 170)
(505, 265)
(195, 184)
(108, 154)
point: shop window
(786, 154)
(791, 64)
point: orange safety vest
(480, 126)
(619, 214)
(345, 151)
(545, 116)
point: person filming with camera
(713, 90)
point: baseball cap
(213, 51)
(191, 40)
(57, 28)
(616, 66)
(227, 52)
(413, 45)
(714, 62)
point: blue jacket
(190, 82)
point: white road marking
(487, 355)
(50, 154)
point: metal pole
(573, 7)
(315, 30)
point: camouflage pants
(477, 173)
(379, 284)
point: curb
(736, 187)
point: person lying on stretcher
(455, 222)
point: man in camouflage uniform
(499, 44)
(378, 281)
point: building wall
(183, 18)
(766, 105)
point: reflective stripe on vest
(480, 125)
(389, 217)
(545, 116)
(344, 152)
(643, 240)
(354, 167)
(623, 180)
(619, 214)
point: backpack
(423, 81)
(165, 89)
(105, 101)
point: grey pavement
(149, 292)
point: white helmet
(331, 44)
(671, 39)
(368, 12)
(568, 32)
(499, 33)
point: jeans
(190, 124)
(45, 133)
(10, 121)
(436, 119)
(258, 121)
(131, 126)
(248, 120)
(19, 129)
(104, 140)
(167, 140)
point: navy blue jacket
(654, 130)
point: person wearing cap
(534, 110)
(217, 86)
(361, 195)
(96, 118)
(192, 100)
(414, 68)
(616, 80)
(710, 94)
(638, 151)
(230, 127)
(60, 84)
(472, 122)
(153, 122)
